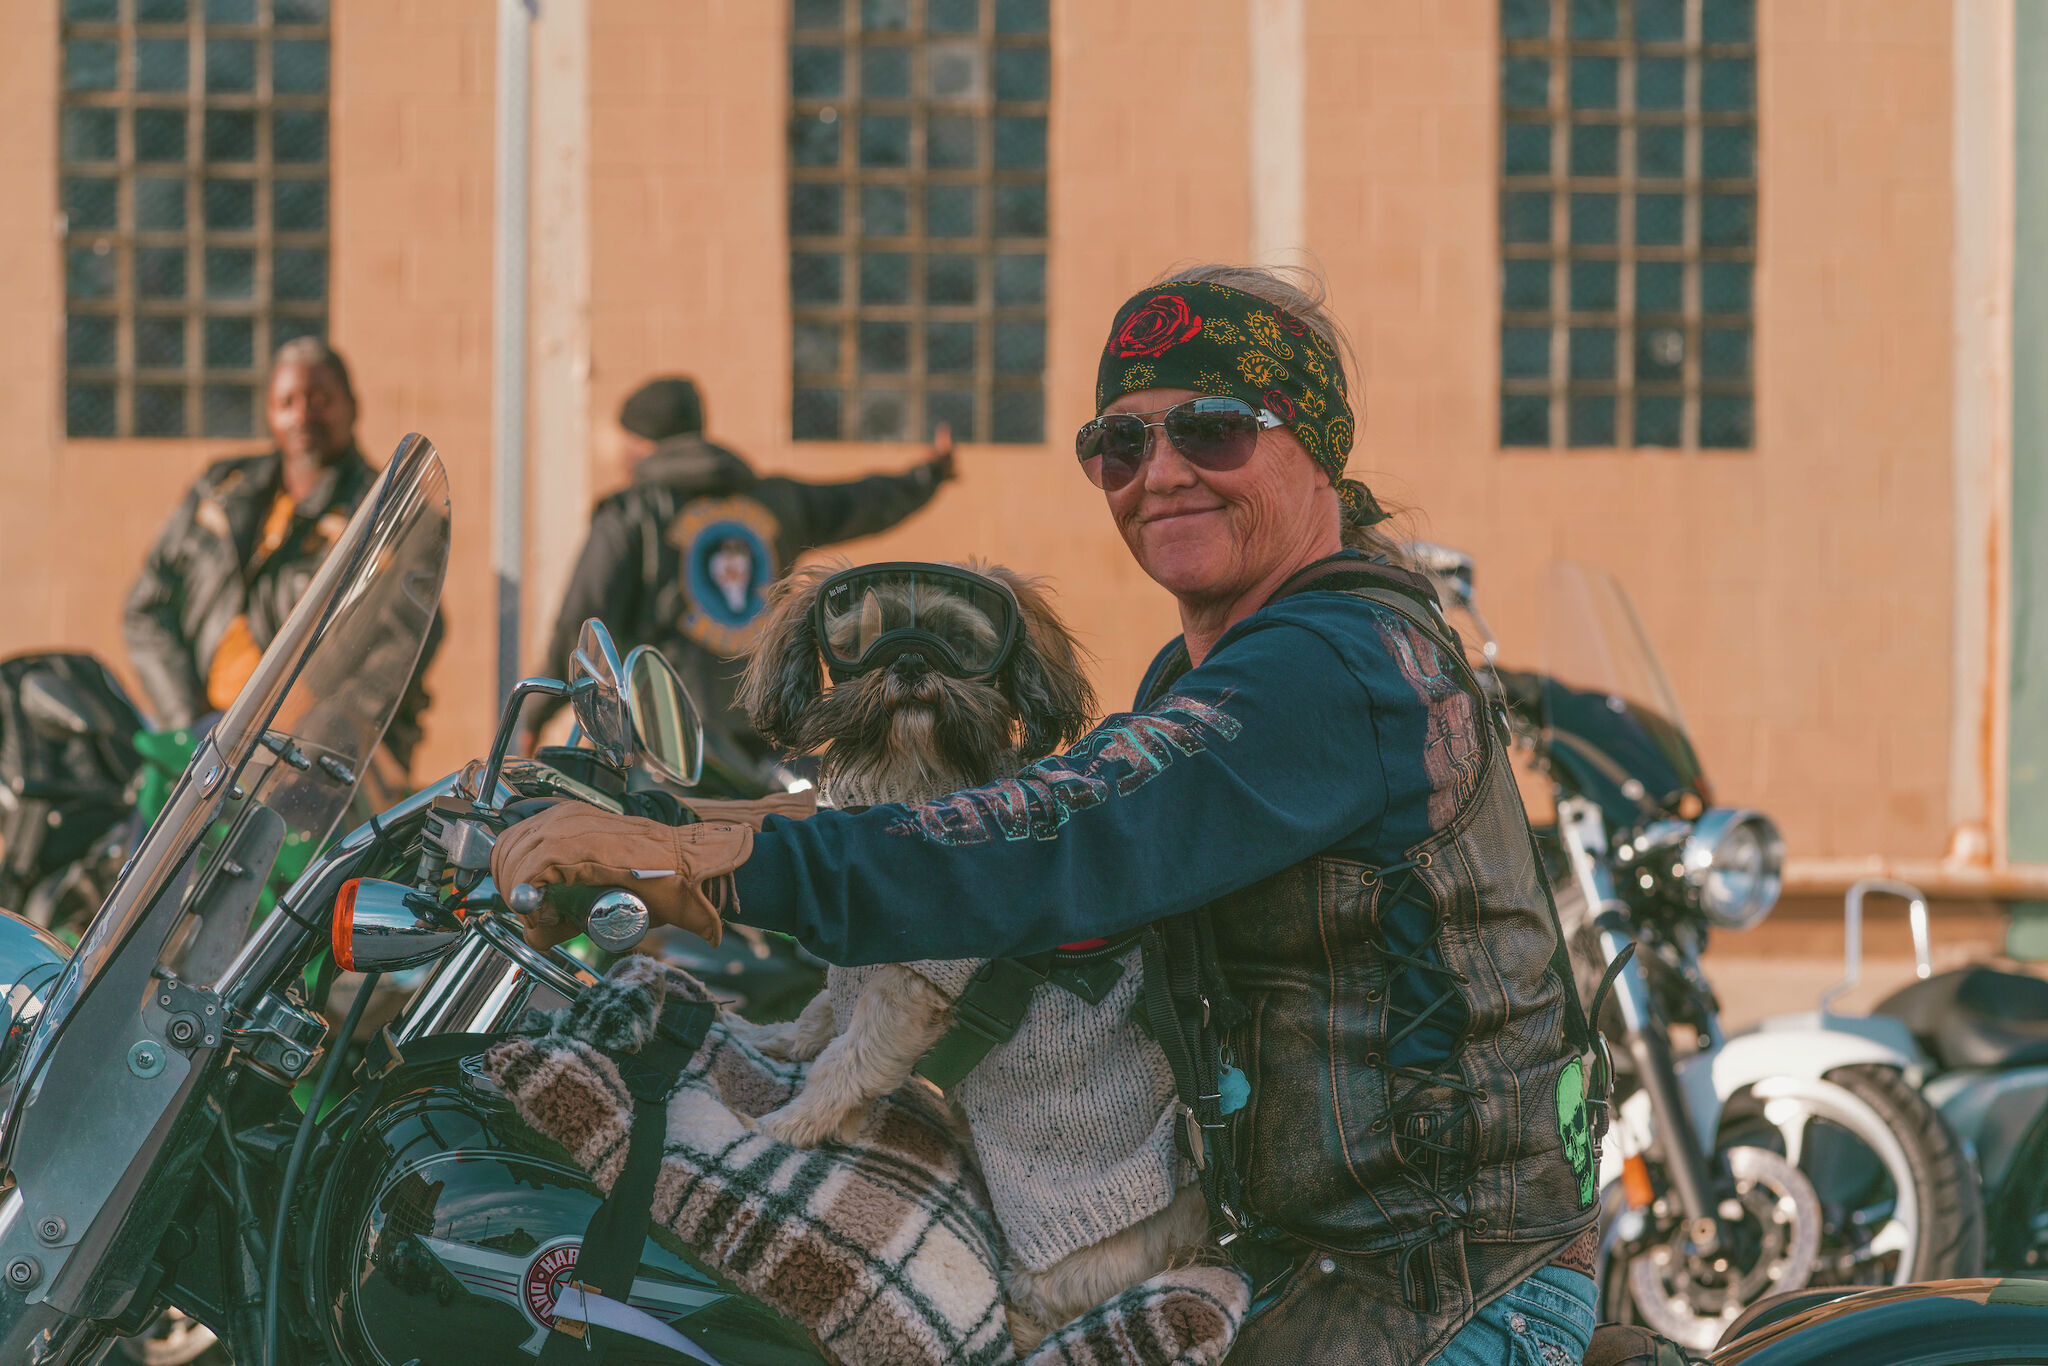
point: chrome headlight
(1734, 863)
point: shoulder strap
(991, 1007)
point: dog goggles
(1212, 433)
(959, 622)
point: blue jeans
(1547, 1320)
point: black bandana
(1188, 334)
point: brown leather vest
(1452, 1182)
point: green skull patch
(1574, 1127)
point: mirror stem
(508, 725)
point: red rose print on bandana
(1279, 405)
(1164, 322)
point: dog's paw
(802, 1126)
(1025, 1332)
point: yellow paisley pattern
(1261, 369)
(1265, 330)
(1220, 330)
(1340, 432)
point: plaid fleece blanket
(885, 1251)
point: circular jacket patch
(728, 549)
(545, 1275)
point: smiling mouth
(1180, 514)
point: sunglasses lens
(1111, 448)
(1214, 433)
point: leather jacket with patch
(683, 557)
(205, 571)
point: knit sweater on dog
(1072, 1117)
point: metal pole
(508, 344)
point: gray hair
(314, 353)
(1302, 291)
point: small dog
(905, 732)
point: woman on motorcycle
(1311, 765)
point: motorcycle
(1735, 1168)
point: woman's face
(1218, 534)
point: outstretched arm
(863, 507)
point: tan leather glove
(793, 805)
(665, 865)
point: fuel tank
(445, 1228)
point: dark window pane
(819, 14)
(954, 70)
(90, 135)
(815, 277)
(1659, 286)
(1595, 19)
(230, 135)
(952, 16)
(161, 64)
(1728, 84)
(298, 68)
(160, 135)
(230, 11)
(230, 273)
(1525, 285)
(951, 142)
(1657, 419)
(884, 278)
(817, 72)
(160, 272)
(884, 140)
(1595, 82)
(814, 139)
(227, 410)
(1660, 220)
(1724, 353)
(1525, 149)
(92, 11)
(1524, 420)
(298, 135)
(814, 415)
(89, 410)
(950, 279)
(885, 73)
(952, 407)
(1596, 149)
(300, 11)
(1525, 217)
(817, 348)
(885, 15)
(1660, 151)
(90, 204)
(1525, 352)
(1595, 218)
(1023, 73)
(230, 343)
(1728, 152)
(299, 205)
(1660, 83)
(1525, 82)
(159, 204)
(949, 348)
(284, 329)
(159, 410)
(88, 340)
(230, 64)
(1728, 220)
(1660, 353)
(1728, 21)
(1594, 286)
(1524, 18)
(1020, 210)
(298, 273)
(1020, 144)
(1020, 348)
(1019, 415)
(814, 210)
(230, 204)
(160, 11)
(88, 274)
(1020, 16)
(1660, 21)
(883, 416)
(1726, 421)
(91, 64)
(1020, 279)
(1592, 421)
(1724, 287)
(1592, 353)
(884, 210)
(160, 343)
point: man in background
(682, 559)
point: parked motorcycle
(1736, 1168)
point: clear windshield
(1605, 694)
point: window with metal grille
(917, 218)
(1627, 222)
(192, 165)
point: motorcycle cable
(274, 1263)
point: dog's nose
(910, 664)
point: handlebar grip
(616, 920)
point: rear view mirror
(668, 730)
(597, 690)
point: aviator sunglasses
(1211, 433)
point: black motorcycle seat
(1976, 1017)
